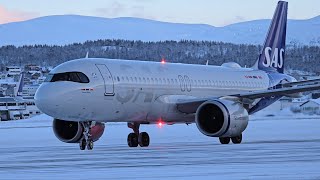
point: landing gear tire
(144, 139)
(132, 140)
(237, 139)
(82, 144)
(224, 140)
(90, 145)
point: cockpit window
(78, 77)
(83, 78)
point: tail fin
(20, 85)
(273, 53)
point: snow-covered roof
(299, 100)
(7, 81)
(7, 99)
(317, 101)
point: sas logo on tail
(274, 59)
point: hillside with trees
(306, 58)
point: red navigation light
(160, 123)
(163, 60)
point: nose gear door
(107, 79)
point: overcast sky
(213, 12)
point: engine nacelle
(221, 118)
(72, 132)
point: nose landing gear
(134, 139)
(86, 140)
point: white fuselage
(129, 91)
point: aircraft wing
(299, 83)
(191, 106)
(278, 92)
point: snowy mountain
(66, 29)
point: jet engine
(221, 118)
(72, 132)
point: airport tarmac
(286, 147)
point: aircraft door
(107, 78)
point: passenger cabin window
(78, 77)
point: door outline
(182, 84)
(187, 83)
(105, 80)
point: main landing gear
(134, 139)
(86, 140)
(235, 140)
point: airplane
(83, 94)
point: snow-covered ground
(283, 146)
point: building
(40, 80)
(311, 107)
(287, 102)
(32, 67)
(8, 88)
(29, 90)
(13, 71)
(14, 108)
(17, 90)
(31, 107)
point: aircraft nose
(47, 100)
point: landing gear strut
(86, 141)
(136, 138)
(235, 140)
